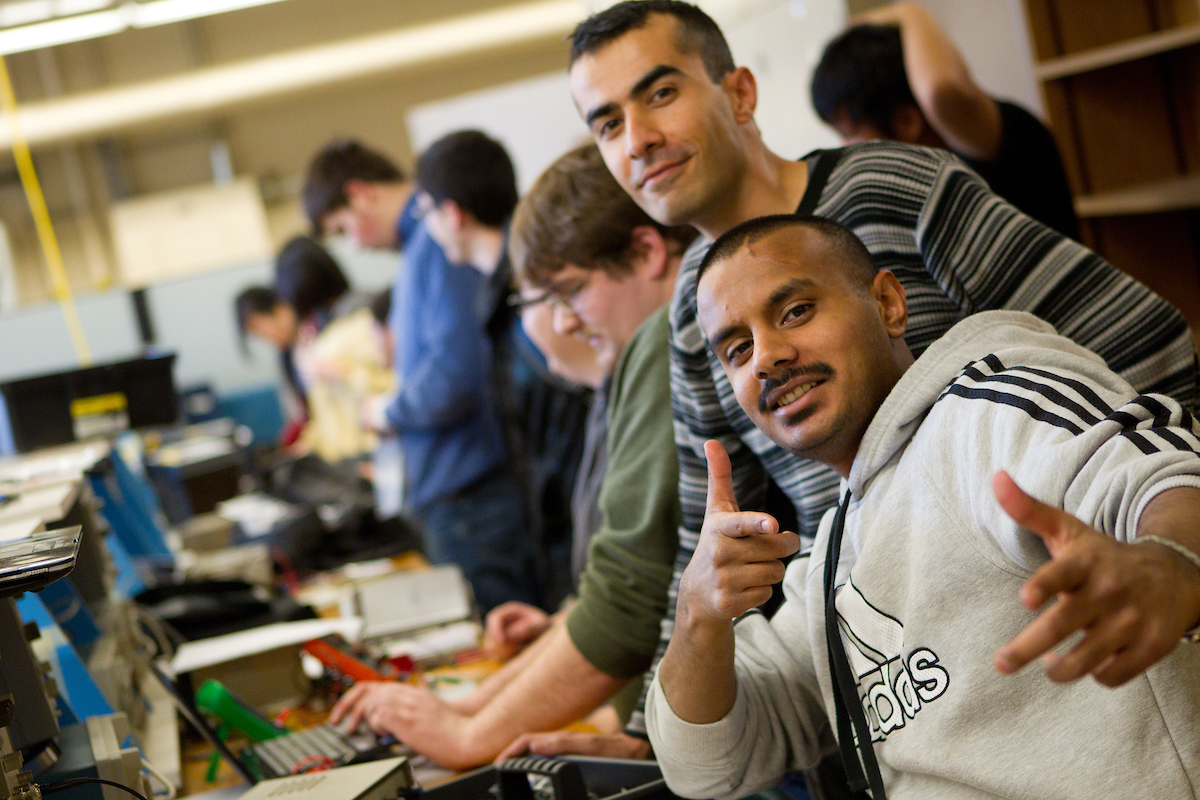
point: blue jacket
(445, 413)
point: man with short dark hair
(685, 146)
(353, 190)
(467, 190)
(455, 457)
(904, 630)
(896, 75)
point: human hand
(737, 559)
(554, 743)
(1131, 602)
(372, 415)
(510, 626)
(413, 715)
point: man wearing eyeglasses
(580, 244)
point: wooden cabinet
(1121, 80)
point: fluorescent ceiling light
(105, 23)
(161, 12)
(62, 31)
(204, 90)
(68, 7)
(25, 12)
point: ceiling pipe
(86, 115)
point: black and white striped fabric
(957, 249)
(1151, 424)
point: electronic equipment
(193, 717)
(316, 748)
(408, 601)
(569, 778)
(388, 779)
(336, 653)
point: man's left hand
(1131, 602)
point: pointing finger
(720, 478)
(1053, 526)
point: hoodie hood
(1000, 333)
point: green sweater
(623, 589)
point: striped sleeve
(980, 253)
(1070, 435)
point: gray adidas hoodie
(928, 581)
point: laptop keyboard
(319, 747)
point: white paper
(221, 649)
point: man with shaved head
(904, 631)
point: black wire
(51, 788)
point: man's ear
(893, 304)
(742, 89)
(908, 124)
(456, 215)
(650, 249)
(358, 191)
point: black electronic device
(564, 778)
(201, 609)
(102, 399)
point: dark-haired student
(896, 75)
(467, 190)
(674, 119)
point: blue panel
(129, 582)
(78, 689)
(70, 612)
(257, 409)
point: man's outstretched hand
(1132, 602)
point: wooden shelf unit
(1139, 47)
(1173, 194)
(1121, 79)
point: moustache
(818, 369)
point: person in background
(896, 75)
(585, 252)
(467, 191)
(259, 311)
(387, 460)
(458, 485)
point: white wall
(781, 42)
(536, 119)
(994, 39)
